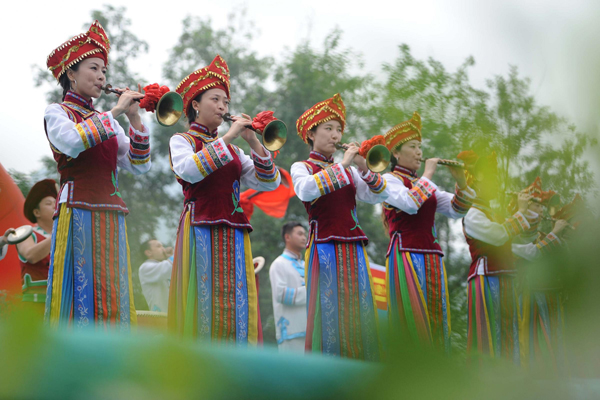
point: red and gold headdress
(215, 75)
(93, 43)
(324, 111)
(535, 190)
(403, 132)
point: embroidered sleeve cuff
(265, 169)
(289, 296)
(139, 146)
(331, 178)
(463, 199)
(375, 181)
(550, 242)
(421, 191)
(213, 156)
(516, 225)
(96, 129)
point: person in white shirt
(289, 290)
(155, 274)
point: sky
(555, 43)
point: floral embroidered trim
(331, 178)
(421, 191)
(95, 130)
(549, 243)
(212, 157)
(516, 225)
(265, 169)
(460, 202)
(375, 181)
(139, 148)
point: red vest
(92, 176)
(212, 199)
(332, 216)
(415, 233)
(37, 278)
(496, 259)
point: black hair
(64, 81)
(393, 161)
(191, 113)
(288, 227)
(145, 246)
(309, 140)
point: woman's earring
(75, 81)
(197, 113)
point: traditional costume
(418, 302)
(342, 316)
(90, 274)
(491, 285)
(289, 301)
(213, 290)
(34, 277)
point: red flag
(273, 203)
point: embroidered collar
(405, 172)
(202, 131)
(320, 159)
(78, 103)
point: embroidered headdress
(215, 75)
(93, 43)
(324, 111)
(403, 132)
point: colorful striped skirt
(342, 316)
(418, 303)
(213, 290)
(89, 282)
(542, 329)
(493, 317)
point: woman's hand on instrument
(238, 127)
(4, 238)
(523, 202)
(430, 167)
(559, 226)
(127, 104)
(459, 176)
(350, 154)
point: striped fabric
(331, 178)
(549, 243)
(265, 170)
(213, 293)
(516, 225)
(342, 316)
(95, 130)
(421, 191)
(139, 148)
(89, 282)
(375, 181)
(542, 330)
(493, 318)
(418, 301)
(288, 296)
(212, 157)
(460, 203)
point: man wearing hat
(34, 252)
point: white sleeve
(371, 187)
(528, 251)
(480, 227)
(405, 199)
(193, 167)
(309, 187)
(284, 294)
(259, 173)
(134, 149)
(155, 272)
(454, 205)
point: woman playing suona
(418, 303)
(492, 302)
(342, 319)
(90, 275)
(541, 298)
(213, 290)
